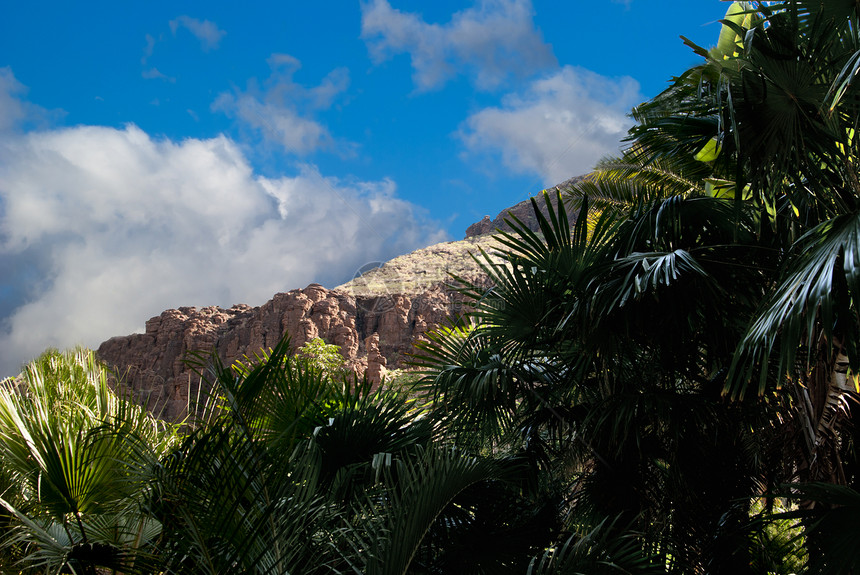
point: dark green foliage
(639, 390)
(614, 372)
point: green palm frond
(361, 424)
(673, 128)
(621, 184)
(473, 391)
(47, 542)
(227, 506)
(64, 437)
(818, 292)
(274, 396)
(649, 272)
(681, 276)
(504, 366)
(605, 548)
(830, 527)
(416, 492)
(537, 298)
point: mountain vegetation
(664, 383)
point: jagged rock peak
(152, 364)
(523, 211)
(374, 319)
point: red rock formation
(374, 319)
(153, 363)
(485, 226)
(376, 362)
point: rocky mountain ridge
(374, 319)
(522, 211)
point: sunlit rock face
(374, 319)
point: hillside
(375, 318)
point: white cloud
(15, 112)
(205, 31)
(559, 127)
(116, 226)
(491, 42)
(11, 108)
(156, 74)
(280, 110)
(148, 49)
(279, 124)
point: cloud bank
(490, 42)
(114, 226)
(558, 127)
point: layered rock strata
(374, 319)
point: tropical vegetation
(663, 382)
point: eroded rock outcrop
(374, 319)
(376, 362)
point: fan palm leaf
(63, 434)
(817, 294)
(226, 507)
(417, 492)
(603, 549)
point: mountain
(375, 318)
(523, 211)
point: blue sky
(165, 154)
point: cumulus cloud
(205, 31)
(11, 108)
(490, 42)
(115, 226)
(15, 112)
(559, 127)
(281, 111)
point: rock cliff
(375, 318)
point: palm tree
(596, 550)
(75, 453)
(600, 354)
(773, 113)
(290, 470)
(774, 108)
(287, 470)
